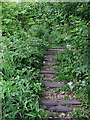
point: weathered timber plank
(59, 102)
(49, 72)
(60, 109)
(51, 53)
(56, 49)
(49, 57)
(50, 63)
(53, 84)
(59, 47)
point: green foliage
(28, 30)
(79, 113)
(22, 57)
(74, 62)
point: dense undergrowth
(28, 29)
(74, 65)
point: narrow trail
(55, 106)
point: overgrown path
(54, 103)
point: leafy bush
(22, 58)
(74, 63)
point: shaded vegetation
(28, 30)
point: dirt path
(54, 103)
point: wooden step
(48, 72)
(60, 109)
(50, 63)
(59, 47)
(59, 102)
(52, 84)
(55, 49)
(55, 105)
(51, 53)
(49, 57)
